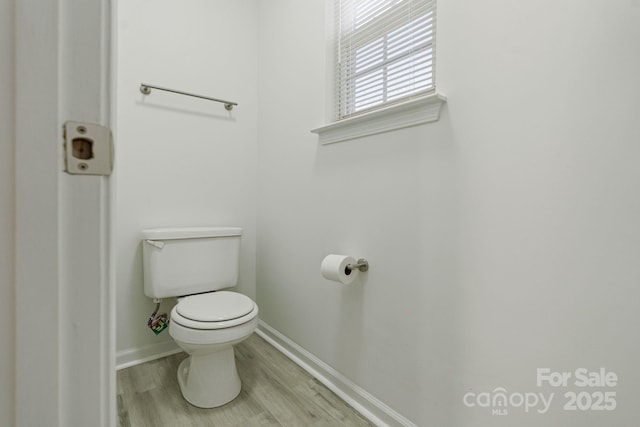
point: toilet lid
(215, 306)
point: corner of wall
(7, 213)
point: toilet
(197, 265)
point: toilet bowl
(195, 264)
(207, 326)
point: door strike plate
(88, 149)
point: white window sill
(410, 113)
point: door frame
(65, 329)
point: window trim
(414, 112)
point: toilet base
(209, 380)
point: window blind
(385, 53)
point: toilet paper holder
(362, 265)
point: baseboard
(362, 401)
(135, 356)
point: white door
(65, 371)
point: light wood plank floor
(275, 392)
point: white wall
(502, 239)
(7, 209)
(180, 160)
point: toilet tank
(189, 260)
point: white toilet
(194, 264)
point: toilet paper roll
(334, 267)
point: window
(385, 68)
(385, 53)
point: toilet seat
(214, 310)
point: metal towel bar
(146, 90)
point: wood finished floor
(275, 392)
